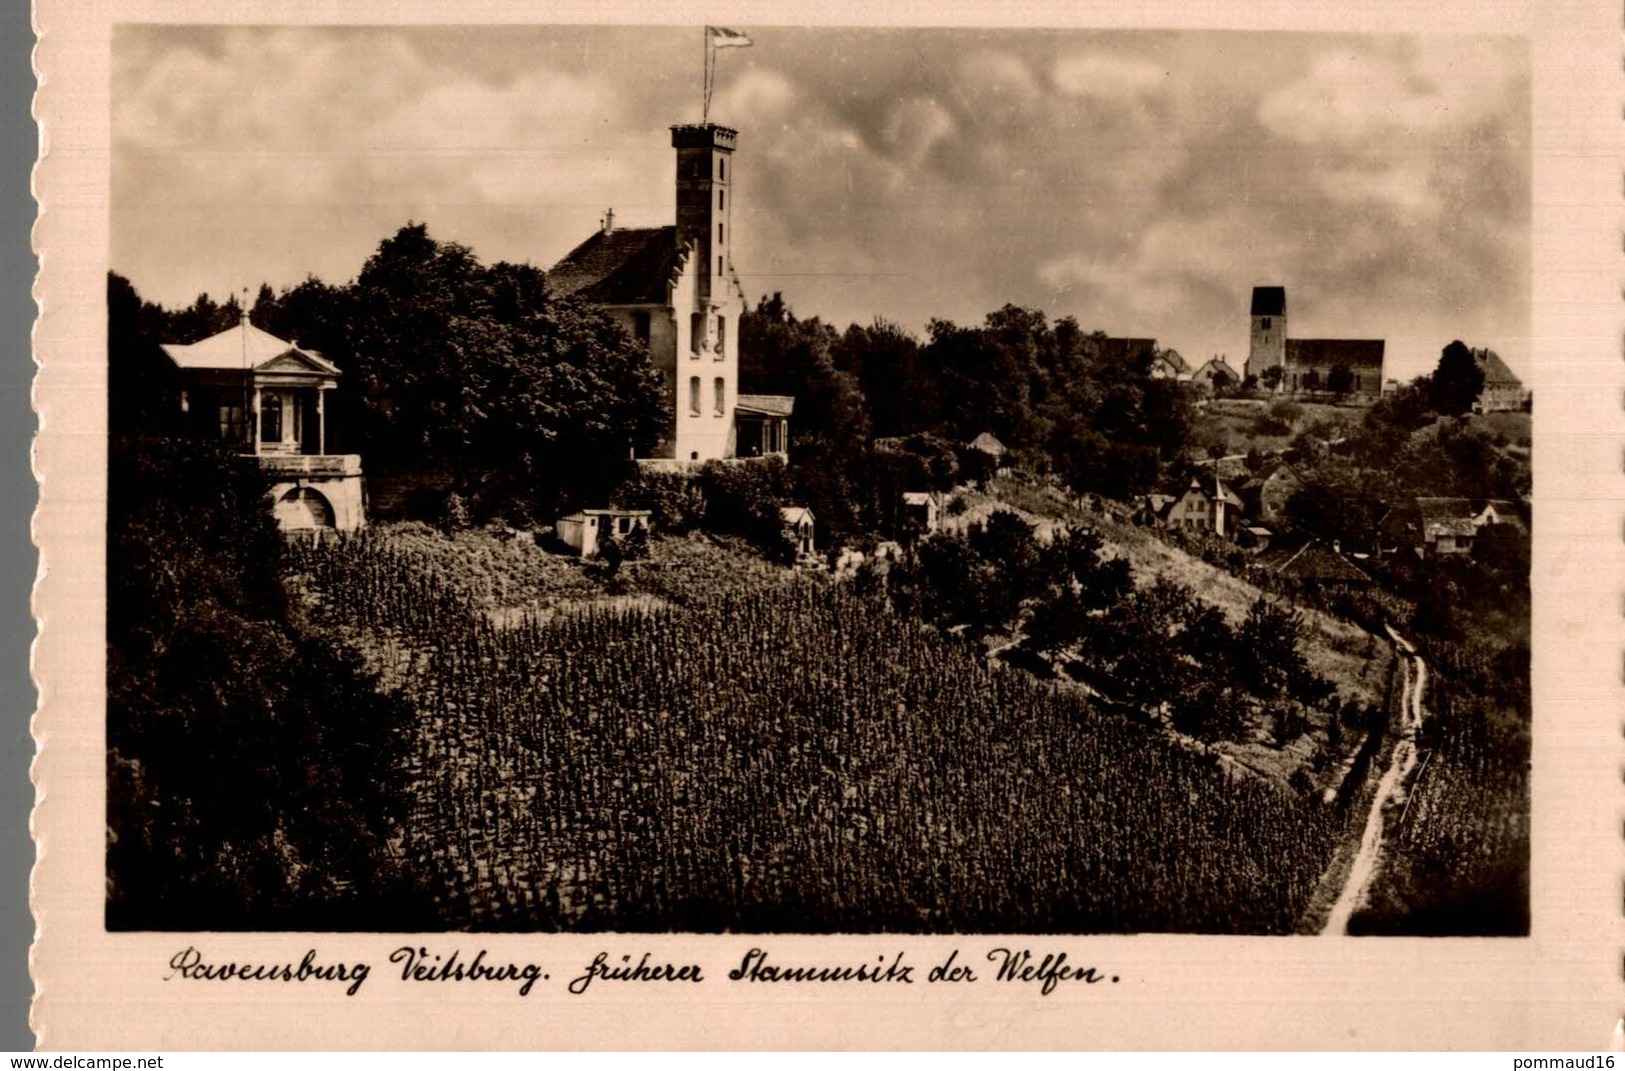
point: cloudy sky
(1142, 182)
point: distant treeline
(536, 402)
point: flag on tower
(717, 37)
(720, 37)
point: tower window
(722, 200)
(719, 265)
(721, 390)
(719, 234)
(1266, 324)
(696, 332)
(722, 168)
(694, 395)
(722, 336)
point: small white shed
(585, 532)
(798, 529)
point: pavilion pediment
(295, 362)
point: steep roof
(1443, 509)
(987, 443)
(793, 515)
(768, 405)
(242, 345)
(1269, 301)
(1357, 353)
(1217, 367)
(1496, 372)
(1173, 360)
(1462, 516)
(1314, 561)
(1128, 350)
(1226, 494)
(625, 266)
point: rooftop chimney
(609, 220)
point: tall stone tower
(1268, 349)
(704, 159)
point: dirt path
(1400, 767)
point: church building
(1310, 367)
(674, 289)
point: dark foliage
(246, 759)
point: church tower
(1268, 349)
(704, 160)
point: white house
(674, 289)
(269, 396)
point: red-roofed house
(675, 290)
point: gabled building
(268, 397)
(674, 289)
(1314, 564)
(1503, 391)
(1168, 364)
(1440, 527)
(1216, 375)
(798, 529)
(1209, 505)
(1133, 352)
(989, 444)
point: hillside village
(1211, 552)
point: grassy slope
(1234, 423)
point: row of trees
(877, 407)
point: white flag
(723, 38)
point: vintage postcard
(829, 526)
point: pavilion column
(254, 420)
(321, 420)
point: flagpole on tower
(716, 37)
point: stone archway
(302, 509)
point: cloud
(913, 127)
(1367, 93)
(1107, 77)
(1141, 182)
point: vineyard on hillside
(789, 757)
(1459, 864)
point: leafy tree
(248, 764)
(1271, 377)
(1340, 380)
(1456, 381)
(1267, 654)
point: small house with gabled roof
(268, 397)
(1216, 375)
(1314, 564)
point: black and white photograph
(750, 479)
